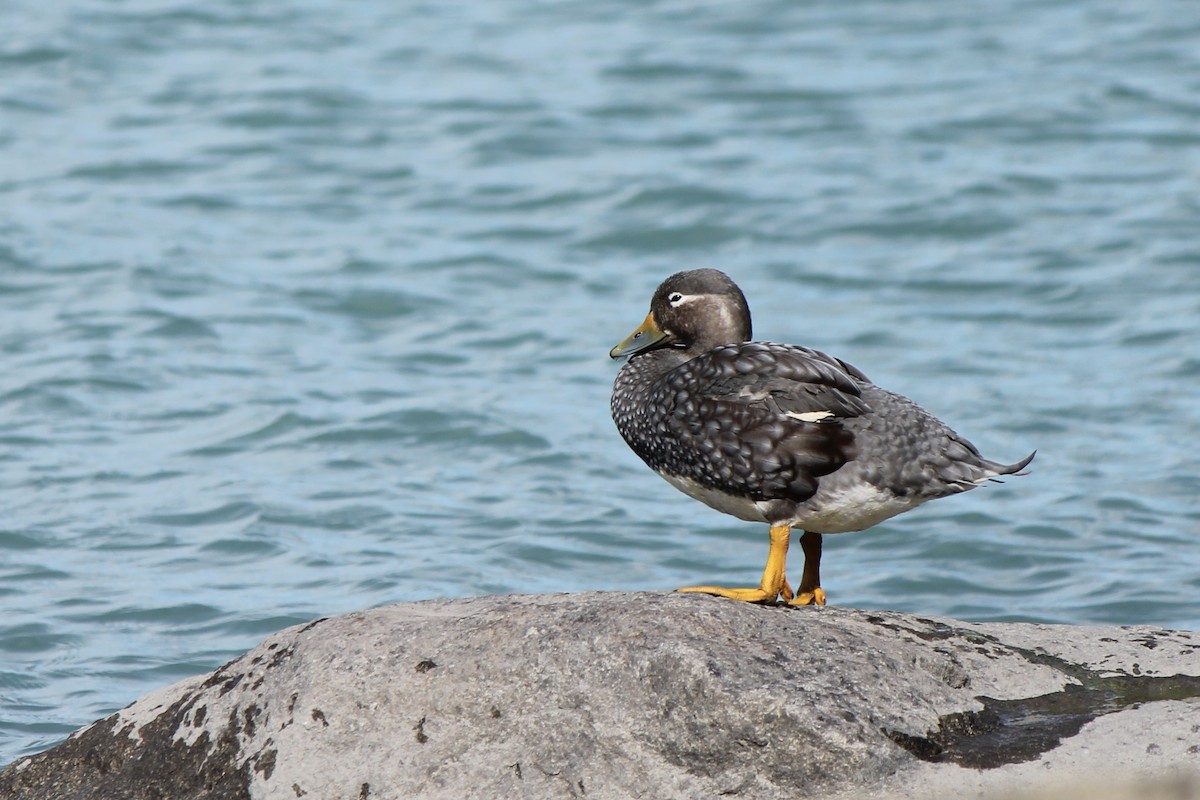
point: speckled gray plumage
(719, 419)
(714, 420)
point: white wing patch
(810, 416)
(753, 396)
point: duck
(777, 433)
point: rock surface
(645, 695)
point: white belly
(851, 508)
(742, 508)
(838, 509)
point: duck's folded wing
(760, 420)
(792, 381)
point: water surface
(306, 306)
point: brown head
(695, 311)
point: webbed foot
(816, 597)
(755, 595)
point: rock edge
(616, 695)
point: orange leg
(773, 581)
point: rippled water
(306, 306)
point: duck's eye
(675, 299)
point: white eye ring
(675, 299)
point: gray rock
(645, 695)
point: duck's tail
(992, 469)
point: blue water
(306, 306)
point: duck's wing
(788, 380)
(760, 420)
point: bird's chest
(678, 434)
(647, 411)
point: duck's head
(695, 311)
